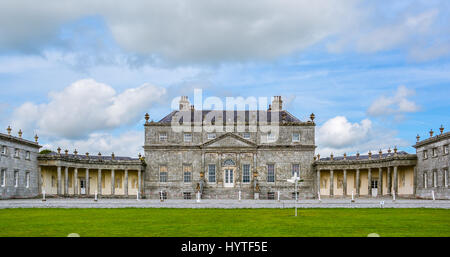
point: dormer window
(211, 135)
(187, 137)
(246, 135)
(163, 137)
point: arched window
(229, 162)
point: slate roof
(19, 140)
(234, 115)
(364, 157)
(92, 157)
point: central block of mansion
(225, 155)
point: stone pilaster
(331, 183)
(99, 181)
(39, 179)
(344, 184)
(66, 180)
(380, 181)
(389, 181)
(357, 182)
(58, 188)
(318, 181)
(87, 181)
(139, 183)
(125, 188)
(75, 185)
(113, 182)
(396, 180)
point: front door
(82, 186)
(374, 187)
(229, 180)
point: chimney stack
(184, 103)
(277, 103)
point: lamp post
(295, 179)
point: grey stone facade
(224, 155)
(18, 167)
(228, 151)
(433, 166)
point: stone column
(39, 179)
(238, 177)
(318, 181)
(380, 181)
(139, 183)
(389, 181)
(87, 181)
(58, 186)
(113, 182)
(125, 188)
(445, 178)
(66, 180)
(75, 185)
(369, 182)
(396, 180)
(344, 184)
(357, 182)
(99, 181)
(331, 183)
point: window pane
(163, 173)
(295, 137)
(163, 137)
(187, 137)
(246, 173)
(212, 173)
(187, 177)
(295, 170)
(270, 173)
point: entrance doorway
(229, 180)
(374, 187)
(82, 186)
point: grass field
(130, 222)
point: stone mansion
(225, 155)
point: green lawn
(224, 222)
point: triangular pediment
(229, 140)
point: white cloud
(128, 144)
(338, 132)
(392, 35)
(84, 107)
(421, 33)
(397, 104)
(339, 136)
(200, 31)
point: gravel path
(124, 203)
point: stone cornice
(307, 123)
(84, 160)
(432, 140)
(19, 140)
(403, 160)
(199, 147)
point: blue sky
(82, 74)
